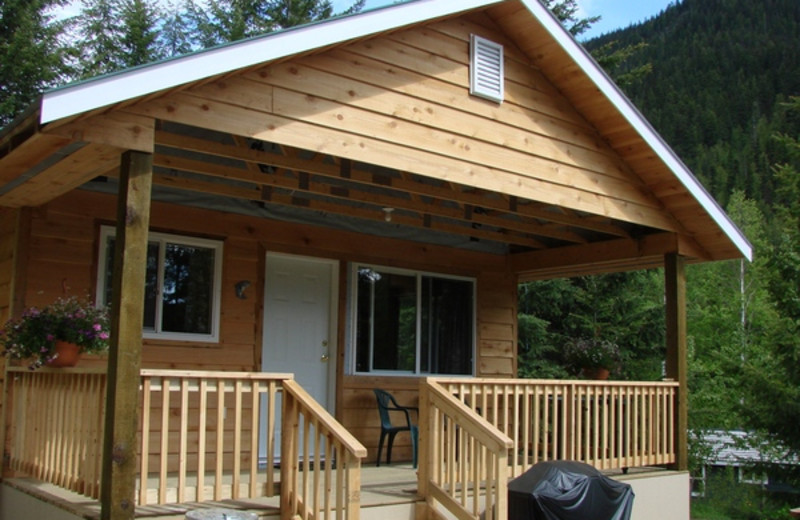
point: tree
(141, 22)
(117, 34)
(773, 378)
(100, 33)
(32, 56)
(221, 21)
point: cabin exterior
(318, 212)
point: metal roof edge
(613, 93)
(124, 85)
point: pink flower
(103, 335)
(97, 327)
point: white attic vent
(486, 69)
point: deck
(392, 489)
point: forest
(718, 79)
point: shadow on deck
(392, 490)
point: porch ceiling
(189, 161)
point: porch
(217, 439)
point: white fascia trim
(107, 90)
(640, 124)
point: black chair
(387, 404)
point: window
(413, 322)
(182, 285)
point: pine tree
(141, 22)
(32, 57)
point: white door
(299, 313)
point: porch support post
(118, 488)
(677, 355)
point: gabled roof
(527, 22)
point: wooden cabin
(344, 206)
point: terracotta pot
(599, 373)
(68, 355)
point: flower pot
(597, 373)
(68, 355)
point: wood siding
(402, 101)
(64, 237)
(9, 222)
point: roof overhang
(101, 95)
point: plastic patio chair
(387, 404)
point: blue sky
(615, 14)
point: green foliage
(623, 308)
(727, 498)
(721, 70)
(32, 55)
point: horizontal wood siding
(8, 245)
(401, 101)
(64, 256)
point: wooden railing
(607, 424)
(322, 456)
(204, 436)
(54, 426)
(208, 435)
(464, 460)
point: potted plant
(595, 357)
(56, 335)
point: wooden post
(677, 354)
(424, 456)
(117, 494)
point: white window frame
(107, 232)
(353, 310)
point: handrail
(462, 456)
(306, 486)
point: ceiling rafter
(302, 183)
(555, 224)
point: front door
(299, 311)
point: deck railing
(54, 426)
(464, 461)
(607, 424)
(204, 436)
(323, 457)
(208, 435)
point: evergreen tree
(221, 21)
(32, 57)
(141, 22)
(100, 34)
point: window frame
(353, 311)
(107, 232)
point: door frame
(333, 318)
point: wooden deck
(393, 486)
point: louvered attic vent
(486, 69)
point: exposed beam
(446, 191)
(574, 260)
(255, 193)
(301, 182)
(120, 129)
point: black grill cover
(567, 490)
